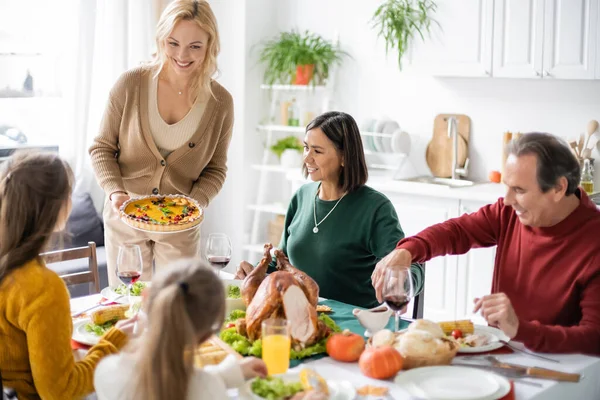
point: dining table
(525, 388)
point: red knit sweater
(551, 275)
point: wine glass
(129, 267)
(218, 250)
(397, 290)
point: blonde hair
(189, 10)
(186, 304)
(34, 191)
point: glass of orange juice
(276, 345)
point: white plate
(453, 383)
(495, 336)
(389, 128)
(82, 336)
(338, 390)
(110, 294)
(400, 142)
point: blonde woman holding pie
(337, 228)
(166, 130)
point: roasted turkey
(287, 293)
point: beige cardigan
(125, 158)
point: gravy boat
(374, 319)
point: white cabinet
(518, 38)
(570, 39)
(461, 45)
(474, 272)
(415, 214)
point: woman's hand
(243, 270)
(117, 199)
(127, 326)
(397, 258)
(253, 367)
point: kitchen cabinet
(415, 214)
(461, 45)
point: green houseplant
(289, 142)
(299, 58)
(398, 21)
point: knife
(502, 371)
(537, 372)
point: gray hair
(554, 159)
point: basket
(444, 358)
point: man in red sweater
(546, 284)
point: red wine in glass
(396, 303)
(218, 262)
(129, 277)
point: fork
(102, 304)
(529, 353)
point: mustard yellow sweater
(35, 338)
(126, 158)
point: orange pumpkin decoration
(380, 362)
(345, 346)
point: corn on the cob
(106, 314)
(209, 354)
(465, 326)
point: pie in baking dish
(168, 213)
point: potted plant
(299, 58)
(399, 20)
(288, 150)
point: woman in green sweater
(337, 228)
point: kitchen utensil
(587, 153)
(535, 372)
(102, 304)
(592, 127)
(501, 371)
(573, 144)
(580, 144)
(439, 151)
(529, 353)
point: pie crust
(168, 213)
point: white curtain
(112, 37)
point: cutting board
(439, 150)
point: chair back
(7, 394)
(88, 252)
(419, 300)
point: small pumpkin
(345, 346)
(380, 362)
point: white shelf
(282, 128)
(268, 208)
(275, 168)
(293, 88)
(377, 134)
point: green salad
(275, 388)
(136, 289)
(233, 292)
(245, 347)
(100, 330)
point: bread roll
(384, 337)
(417, 344)
(427, 326)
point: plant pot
(304, 74)
(291, 159)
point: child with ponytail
(185, 306)
(36, 359)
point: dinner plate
(110, 294)
(494, 334)
(453, 383)
(338, 390)
(82, 336)
(233, 304)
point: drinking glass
(276, 345)
(397, 290)
(218, 250)
(129, 267)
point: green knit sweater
(362, 229)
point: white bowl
(232, 304)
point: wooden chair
(90, 276)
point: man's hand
(397, 258)
(243, 270)
(117, 199)
(498, 311)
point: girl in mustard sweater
(36, 358)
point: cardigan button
(192, 144)
(155, 191)
(163, 162)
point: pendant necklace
(316, 228)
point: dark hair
(554, 159)
(342, 130)
(34, 189)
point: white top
(170, 137)
(113, 376)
